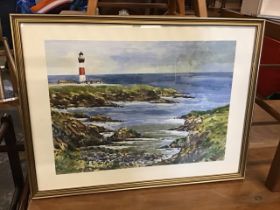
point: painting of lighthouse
(138, 104)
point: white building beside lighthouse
(82, 70)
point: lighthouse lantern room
(82, 71)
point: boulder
(101, 118)
(124, 134)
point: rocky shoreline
(107, 159)
(80, 147)
(71, 133)
(77, 145)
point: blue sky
(123, 57)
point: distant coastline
(121, 78)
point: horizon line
(145, 73)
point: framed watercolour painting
(117, 103)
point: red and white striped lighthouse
(82, 70)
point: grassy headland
(206, 139)
(64, 96)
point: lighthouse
(82, 70)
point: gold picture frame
(231, 45)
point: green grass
(215, 124)
(68, 162)
(108, 91)
(208, 131)
(221, 110)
